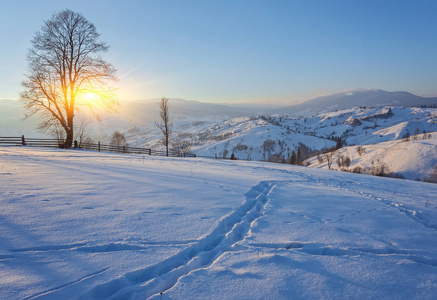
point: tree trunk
(69, 139)
(69, 130)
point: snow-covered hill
(276, 137)
(414, 159)
(113, 226)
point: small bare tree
(81, 133)
(319, 158)
(118, 139)
(415, 137)
(329, 157)
(66, 72)
(360, 150)
(182, 148)
(165, 126)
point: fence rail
(55, 143)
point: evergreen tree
(299, 157)
(293, 158)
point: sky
(243, 51)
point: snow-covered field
(81, 224)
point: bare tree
(329, 157)
(182, 148)
(319, 158)
(118, 140)
(165, 126)
(343, 161)
(66, 72)
(360, 150)
(81, 132)
(415, 137)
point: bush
(360, 150)
(343, 161)
(319, 158)
(432, 177)
(357, 170)
(378, 168)
(269, 145)
(240, 147)
(275, 158)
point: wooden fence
(55, 143)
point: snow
(89, 225)
(246, 137)
(413, 159)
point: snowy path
(158, 278)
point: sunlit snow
(85, 225)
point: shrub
(343, 161)
(275, 158)
(319, 158)
(269, 145)
(357, 170)
(378, 168)
(240, 147)
(360, 150)
(432, 177)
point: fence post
(75, 144)
(23, 141)
(124, 149)
(98, 146)
(150, 151)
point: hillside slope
(413, 159)
(275, 137)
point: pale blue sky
(242, 51)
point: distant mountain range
(359, 97)
(143, 112)
(146, 111)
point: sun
(90, 96)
